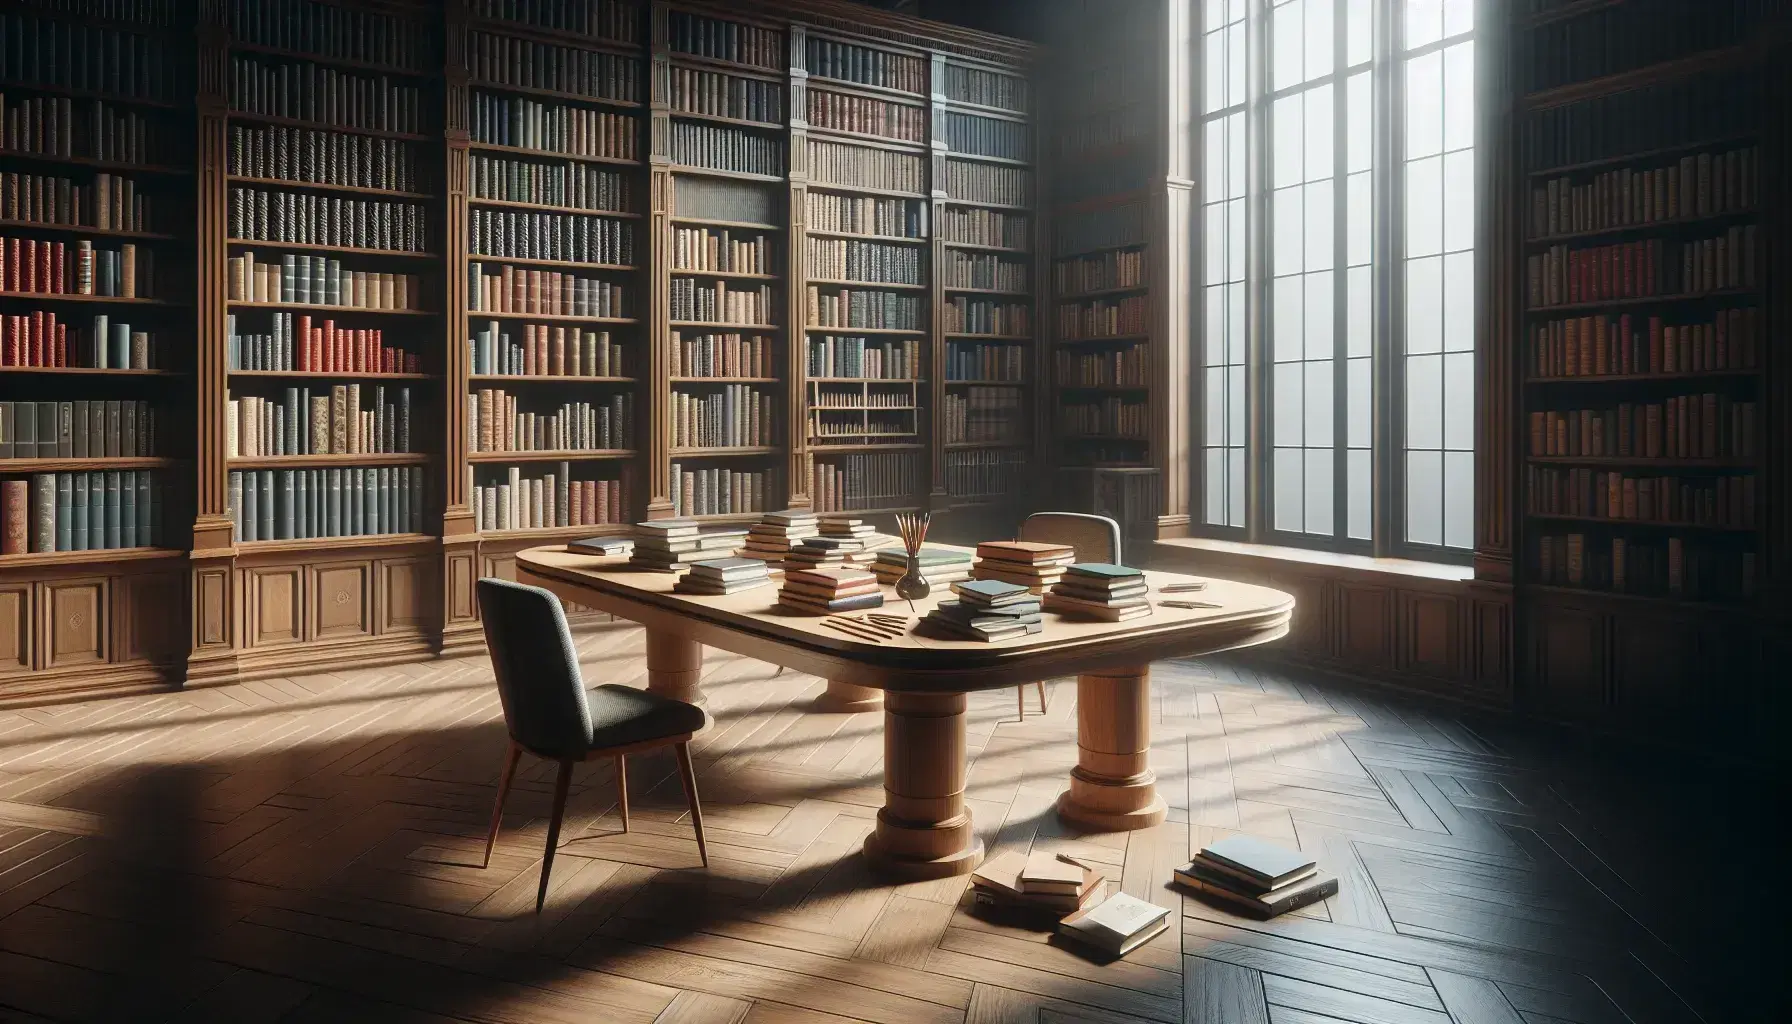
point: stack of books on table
(772, 537)
(671, 545)
(723, 576)
(826, 591)
(821, 553)
(604, 546)
(1117, 925)
(987, 610)
(1097, 590)
(855, 538)
(1032, 564)
(1255, 878)
(1038, 883)
(939, 566)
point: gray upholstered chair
(550, 714)
(1095, 538)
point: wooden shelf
(327, 126)
(332, 374)
(867, 408)
(1005, 113)
(568, 455)
(554, 94)
(835, 282)
(722, 172)
(880, 92)
(360, 190)
(549, 377)
(1631, 303)
(710, 222)
(867, 330)
(1739, 55)
(110, 300)
(741, 122)
(718, 453)
(1104, 387)
(78, 229)
(37, 559)
(123, 166)
(988, 383)
(308, 306)
(300, 461)
(1120, 290)
(955, 336)
(825, 447)
(724, 327)
(1569, 10)
(980, 247)
(510, 204)
(341, 250)
(1099, 249)
(559, 532)
(570, 318)
(1128, 438)
(337, 62)
(76, 465)
(1013, 442)
(1625, 159)
(868, 380)
(731, 274)
(1650, 524)
(864, 190)
(725, 380)
(891, 239)
(732, 67)
(987, 205)
(613, 161)
(602, 44)
(1627, 378)
(1642, 462)
(967, 290)
(870, 139)
(1639, 229)
(97, 371)
(1658, 600)
(532, 261)
(1112, 339)
(358, 540)
(985, 158)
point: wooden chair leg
(622, 788)
(1041, 685)
(689, 777)
(1020, 700)
(547, 859)
(511, 755)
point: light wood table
(924, 829)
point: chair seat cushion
(621, 715)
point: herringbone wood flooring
(306, 850)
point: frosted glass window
(1425, 304)
(1424, 106)
(1359, 109)
(1289, 57)
(1321, 38)
(1424, 507)
(1321, 325)
(1424, 207)
(1359, 384)
(1359, 31)
(1359, 320)
(1225, 258)
(1424, 401)
(1290, 496)
(1318, 407)
(1424, 22)
(1362, 488)
(1321, 225)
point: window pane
(1213, 255)
(1288, 116)
(1289, 340)
(1288, 426)
(1359, 129)
(1359, 32)
(1459, 401)
(1361, 486)
(1216, 486)
(1286, 44)
(1359, 315)
(1424, 207)
(1424, 304)
(1238, 156)
(1235, 478)
(1320, 116)
(1424, 105)
(1459, 503)
(1318, 408)
(1237, 64)
(1458, 200)
(1459, 17)
(1459, 302)
(1361, 402)
(1321, 332)
(1359, 201)
(1289, 501)
(1459, 95)
(1216, 406)
(1321, 222)
(1321, 42)
(1424, 22)
(1424, 402)
(1235, 333)
(1320, 493)
(1235, 405)
(1289, 244)
(1214, 96)
(1214, 140)
(1236, 249)
(1424, 515)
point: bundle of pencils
(913, 528)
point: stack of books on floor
(670, 545)
(723, 576)
(1117, 925)
(1035, 883)
(1098, 590)
(772, 537)
(1031, 564)
(826, 591)
(1255, 878)
(939, 566)
(987, 610)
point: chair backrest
(537, 668)
(1096, 538)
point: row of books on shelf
(84, 429)
(511, 501)
(508, 179)
(978, 361)
(568, 237)
(838, 163)
(987, 136)
(986, 88)
(511, 289)
(38, 338)
(1605, 41)
(964, 315)
(726, 149)
(110, 202)
(1111, 227)
(333, 423)
(301, 504)
(86, 129)
(1692, 501)
(267, 215)
(1708, 426)
(313, 347)
(90, 510)
(1126, 123)
(616, 20)
(832, 356)
(1717, 105)
(552, 127)
(868, 215)
(323, 157)
(724, 40)
(693, 91)
(841, 259)
(721, 249)
(1664, 567)
(865, 65)
(303, 91)
(496, 422)
(1643, 269)
(348, 33)
(1124, 367)
(721, 491)
(835, 396)
(1000, 228)
(1698, 185)
(319, 280)
(840, 111)
(42, 267)
(733, 416)
(1115, 416)
(878, 427)
(972, 182)
(985, 414)
(987, 270)
(1099, 272)
(1602, 345)
(983, 473)
(555, 67)
(540, 350)
(1102, 318)
(866, 480)
(71, 55)
(723, 355)
(855, 307)
(719, 302)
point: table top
(752, 624)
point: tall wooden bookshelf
(1647, 356)
(472, 276)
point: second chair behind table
(550, 714)
(1095, 538)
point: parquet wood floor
(306, 850)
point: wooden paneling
(342, 600)
(274, 609)
(148, 617)
(461, 603)
(1567, 678)
(1429, 634)
(1310, 632)
(405, 595)
(1654, 659)
(72, 630)
(1366, 625)
(15, 628)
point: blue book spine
(127, 509)
(236, 505)
(269, 511)
(249, 511)
(65, 513)
(114, 534)
(79, 512)
(145, 508)
(288, 492)
(333, 516)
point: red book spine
(61, 344)
(28, 279)
(58, 264)
(37, 338)
(305, 358)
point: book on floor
(1264, 863)
(1117, 925)
(1045, 873)
(996, 883)
(1231, 892)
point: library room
(893, 511)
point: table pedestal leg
(1112, 787)
(923, 830)
(850, 697)
(674, 665)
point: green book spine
(127, 509)
(65, 511)
(79, 512)
(114, 506)
(146, 533)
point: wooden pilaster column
(933, 431)
(657, 371)
(798, 476)
(1112, 787)
(924, 830)
(460, 541)
(217, 627)
(1170, 269)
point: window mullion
(1341, 277)
(1389, 326)
(1259, 436)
